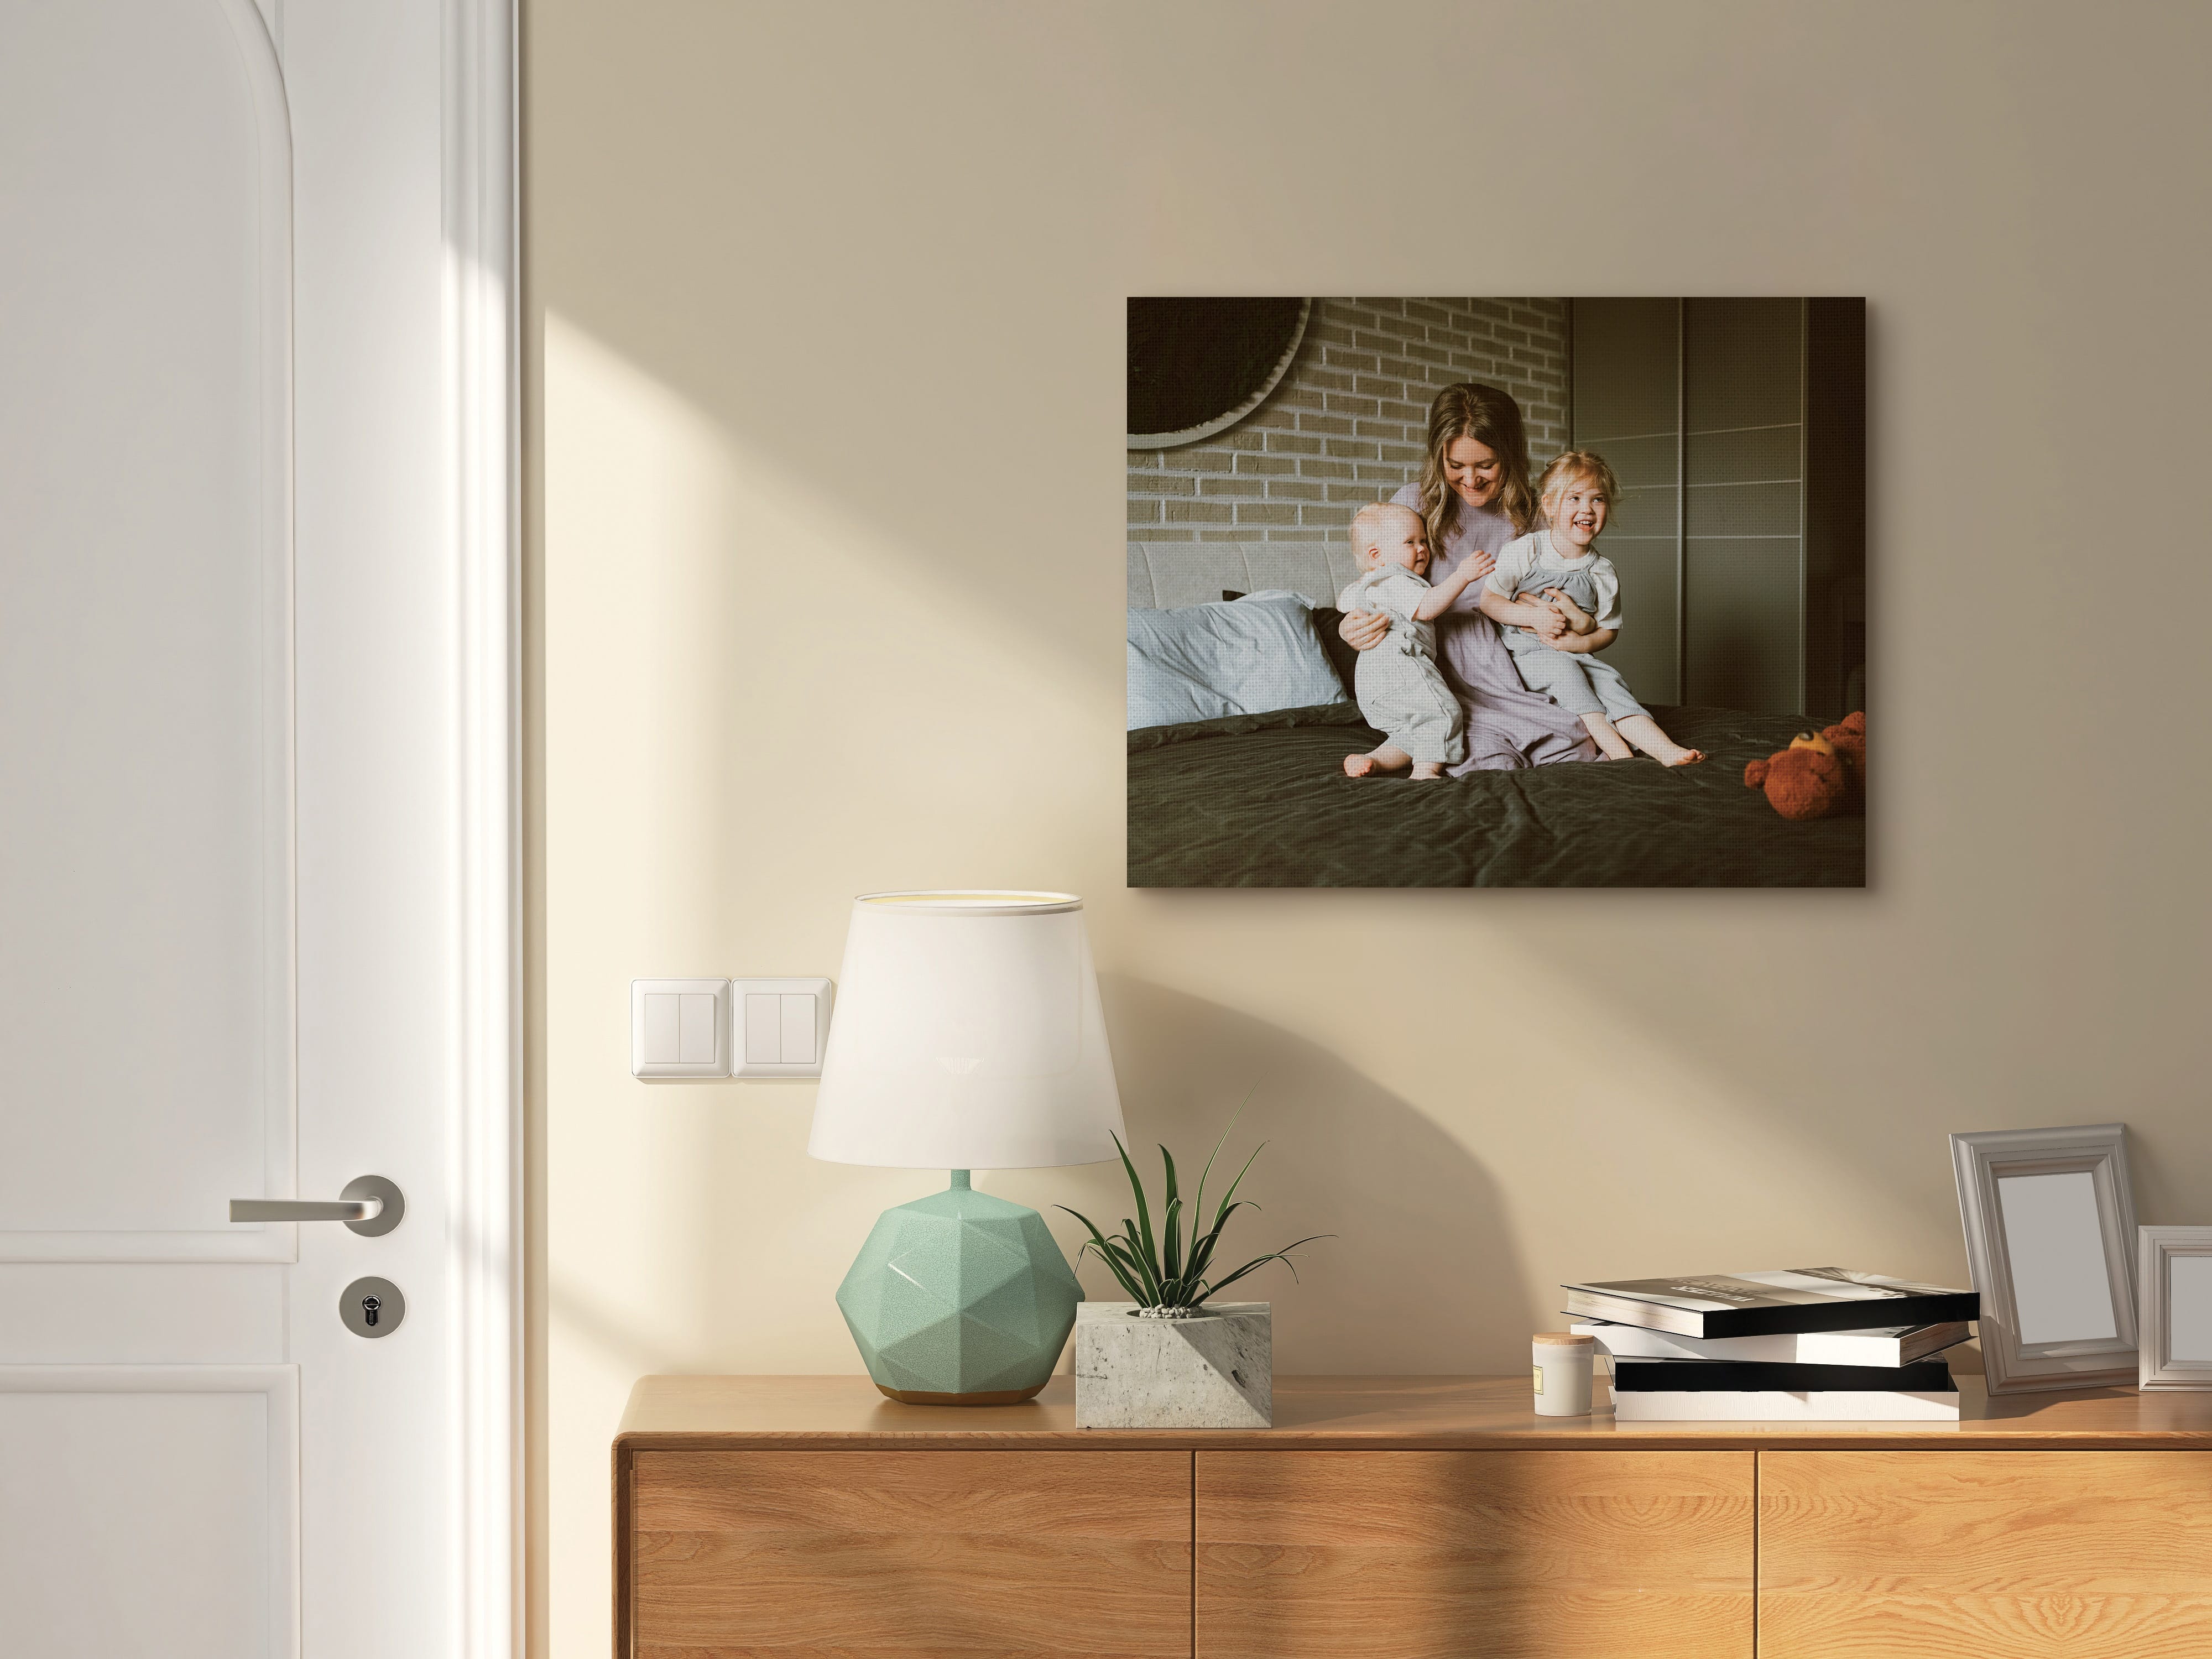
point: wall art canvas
(1533, 593)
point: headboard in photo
(1167, 575)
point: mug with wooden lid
(1562, 1362)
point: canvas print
(1537, 592)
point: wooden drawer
(1996, 1555)
(1443, 1554)
(862, 1554)
(1403, 1518)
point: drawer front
(1998, 1555)
(1440, 1555)
(909, 1553)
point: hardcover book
(1750, 1377)
(1896, 1346)
(1793, 1300)
(1779, 1406)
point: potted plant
(1172, 1357)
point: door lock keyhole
(372, 1307)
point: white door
(255, 930)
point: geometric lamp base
(960, 1300)
(1003, 1397)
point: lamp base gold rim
(998, 1397)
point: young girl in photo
(1557, 601)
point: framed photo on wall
(1521, 591)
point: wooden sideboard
(1403, 1518)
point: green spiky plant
(1167, 1277)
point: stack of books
(1803, 1344)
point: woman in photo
(1475, 496)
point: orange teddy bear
(1815, 775)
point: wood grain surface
(1436, 1555)
(863, 1527)
(985, 1555)
(1360, 1412)
(1998, 1555)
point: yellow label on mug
(1540, 1379)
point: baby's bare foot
(1675, 754)
(1358, 766)
(1428, 768)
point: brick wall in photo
(1347, 424)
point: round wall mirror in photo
(1198, 366)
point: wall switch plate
(679, 1028)
(779, 1027)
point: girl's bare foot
(1643, 732)
(1358, 766)
(1426, 770)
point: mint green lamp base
(960, 1300)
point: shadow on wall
(1422, 1270)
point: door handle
(306, 1209)
(370, 1205)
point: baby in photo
(1402, 692)
(1557, 601)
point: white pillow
(1233, 657)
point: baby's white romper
(1402, 692)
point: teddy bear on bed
(1815, 775)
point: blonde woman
(1474, 497)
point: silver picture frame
(2160, 1251)
(2050, 1241)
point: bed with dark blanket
(1262, 801)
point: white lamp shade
(968, 1036)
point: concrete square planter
(1214, 1371)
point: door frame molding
(482, 392)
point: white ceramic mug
(1562, 1364)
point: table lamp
(968, 1035)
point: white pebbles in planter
(1212, 1371)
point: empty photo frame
(2173, 1267)
(2051, 1241)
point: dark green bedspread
(1262, 801)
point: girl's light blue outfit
(1577, 681)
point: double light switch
(715, 1028)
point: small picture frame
(2050, 1241)
(2174, 1269)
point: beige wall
(826, 304)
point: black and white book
(1782, 1406)
(1898, 1344)
(1790, 1301)
(1752, 1376)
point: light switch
(663, 1028)
(694, 1018)
(784, 1025)
(679, 1028)
(797, 1043)
(764, 1028)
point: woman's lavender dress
(1508, 726)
